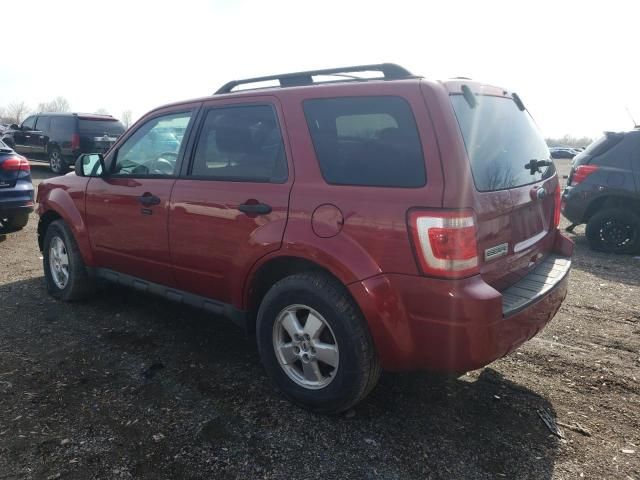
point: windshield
(500, 139)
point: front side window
(368, 141)
(154, 148)
(29, 123)
(241, 143)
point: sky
(574, 64)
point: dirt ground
(130, 386)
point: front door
(22, 137)
(230, 208)
(40, 136)
(127, 209)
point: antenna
(635, 125)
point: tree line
(569, 141)
(16, 112)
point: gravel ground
(130, 386)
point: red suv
(354, 219)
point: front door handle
(147, 199)
(255, 208)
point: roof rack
(390, 71)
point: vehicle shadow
(115, 371)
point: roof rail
(390, 71)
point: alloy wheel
(305, 347)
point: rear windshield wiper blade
(534, 165)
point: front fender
(68, 201)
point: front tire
(315, 344)
(65, 274)
(614, 230)
(57, 163)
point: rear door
(230, 207)
(127, 210)
(514, 200)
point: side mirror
(13, 126)
(90, 165)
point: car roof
(83, 116)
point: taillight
(582, 172)
(445, 242)
(557, 206)
(16, 163)
(75, 141)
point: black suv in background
(603, 191)
(62, 137)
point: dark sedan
(16, 191)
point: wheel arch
(58, 205)
(610, 201)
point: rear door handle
(255, 208)
(147, 199)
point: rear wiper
(534, 165)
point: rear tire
(57, 163)
(65, 274)
(614, 230)
(340, 355)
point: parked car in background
(356, 225)
(563, 152)
(603, 191)
(16, 191)
(62, 137)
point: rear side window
(62, 127)
(100, 127)
(368, 141)
(500, 140)
(241, 143)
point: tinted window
(29, 123)
(370, 141)
(603, 144)
(500, 139)
(62, 127)
(241, 144)
(100, 127)
(43, 124)
(153, 148)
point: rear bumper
(574, 205)
(420, 323)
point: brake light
(445, 242)
(557, 206)
(15, 163)
(75, 141)
(582, 172)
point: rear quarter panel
(373, 236)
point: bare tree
(101, 111)
(58, 104)
(17, 111)
(569, 141)
(126, 118)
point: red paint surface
(196, 239)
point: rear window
(500, 139)
(369, 141)
(100, 127)
(603, 144)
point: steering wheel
(165, 164)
